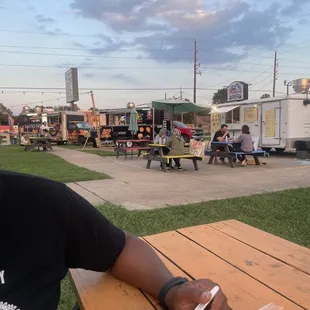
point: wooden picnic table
(125, 146)
(39, 142)
(228, 153)
(254, 268)
(156, 154)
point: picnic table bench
(166, 159)
(39, 142)
(125, 146)
(254, 268)
(231, 155)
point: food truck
(114, 123)
(68, 127)
(64, 126)
(281, 122)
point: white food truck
(279, 122)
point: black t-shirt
(219, 134)
(46, 228)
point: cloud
(125, 78)
(44, 20)
(294, 8)
(164, 28)
(51, 32)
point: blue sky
(148, 45)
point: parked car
(188, 132)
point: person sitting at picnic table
(47, 134)
(176, 144)
(24, 139)
(246, 144)
(42, 238)
(161, 138)
(220, 136)
(42, 128)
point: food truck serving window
(232, 113)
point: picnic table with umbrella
(175, 106)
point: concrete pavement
(135, 187)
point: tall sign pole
(96, 118)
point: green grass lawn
(285, 214)
(14, 158)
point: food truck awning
(224, 109)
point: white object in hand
(213, 293)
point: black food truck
(115, 124)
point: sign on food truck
(237, 91)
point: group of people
(244, 143)
(174, 145)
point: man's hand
(190, 294)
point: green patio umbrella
(133, 122)
(177, 106)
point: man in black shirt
(220, 136)
(47, 228)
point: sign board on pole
(237, 91)
(72, 86)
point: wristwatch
(166, 288)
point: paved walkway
(134, 187)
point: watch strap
(166, 288)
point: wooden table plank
(99, 291)
(286, 251)
(284, 279)
(243, 291)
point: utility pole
(275, 72)
(181, 97)
(195, 69)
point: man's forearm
(139, 265)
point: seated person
(220, 136)
(47, 134)
(24, 140)
(246, 144)
(161, 139)
(176, 144)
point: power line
(152, 58)
(43, 101)
(98, 36)
(138, 68)
(92, 56)
(269, 76)
(87, 67)
(94, 48)
(24, 89)
(267, 71)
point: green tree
(264, 96)
(220, 96)
(61, 108)
(4, 112)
